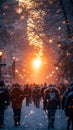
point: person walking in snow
(4, 101)
(36, 96)
(43, 89)
(16, 95)
(67, 105)
(27, 94)
(51, 103)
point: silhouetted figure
(16, 97)
(43, 89)
(4, 101)
(27, 94)
(36, 95)
(51, 103)
(67, 105)
(67, 91)
(1, 6)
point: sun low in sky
(36, 63)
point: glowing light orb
(37, 63)
(1, 53)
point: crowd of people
(53, 98)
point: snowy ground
(33, 118)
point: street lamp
(1, 53)
(13, 66)
(0, 61)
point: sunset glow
(37, 63)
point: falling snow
(34, 31)
(33, 118)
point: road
(33, 118)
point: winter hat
(51, 85)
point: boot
(52, 125)
(68, 124)
(49, 125)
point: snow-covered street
(36, 47)
(33, 118)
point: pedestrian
(66, 92)
(16, 97)
(36, 95)
(4, 102)
(67, 105)
(51, 103)
(27, 94)
(43, 89)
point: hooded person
(4, 101)
(51, 103)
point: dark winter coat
(16, 97)
(36, 93)
(4, 97)
(27, 91)
(67, 91)
(42, 90)
(52, 98)
(69, 105)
